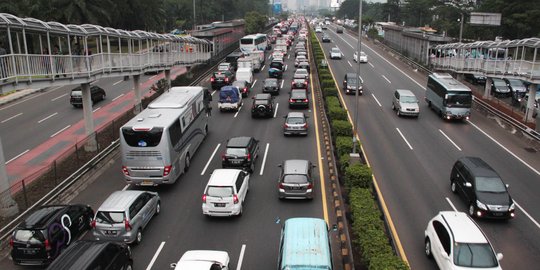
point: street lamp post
(359, 49)
(194, 16)
(461, 27)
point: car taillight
(281, 186)
(248, 157)
(212, 79)
(11, 242)
(306, 100)
(125, 170)
(245, 90)
(93, 223)
(309, 186)
(204, 198)
(223, 157)
(226, 79)
(167, 170)
(235, 199)
(305, 125)
(127, 225)
(291, 100)
(47, 245)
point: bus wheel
(429, 104)
(186, 165)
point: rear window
(261, 102)
(246, 41)
(110, 217)
(144, 138)
(236, 151)
(76, 93)
(298, 94)
(295, 179)
(215, 191)
(29, 236)
(295, 120)
(270, 82)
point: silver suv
(124, 214)
(404, 102)
(296, 179)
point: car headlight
(481, 205)
(512, 207)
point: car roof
(463, 228)
(223, 177)
(263, 96)
(120, 200)
(204, 256)
(478, 166)
(295, 114)
(405, 92)
(40, 218)
(238, 141)
(80, 254)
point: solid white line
(451, 204)
(18, 156)
(282, 83)
(404, 138)
(152, 77)
(376, 100)
(39, 122)
(285, 67)
(97, 109)
(449, 139)
(506, 149)
(241, 257)
(349, 63)
(289, 56)
(275, 111)
(386, 79)
(117, 97)
(238, 111)
(19, 114)
(213, 92)
(264, 159)
(527, 214)
(155, 256)
(125, 188)
(59, 97)
(210, 159)
(58, 132)
(269, 56)
(253, 85)
(263, 67)
(118, 82)
(371, 65)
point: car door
(441, 246)
(147, 211)
(242, 184)
(459, 178)
(136, 215)
(255, 149)
(78, 220)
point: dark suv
(298, 98)
(482, 189)
(271, 85)
(241, 152)
(220, 79)
(97, 94)
(350, 84)
(45, 233)
(296, 179)
(91, 254)
(263, 106)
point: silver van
(124, 214)
(296, 179)
(404, 102)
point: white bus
(448, 97)
(158, 143)
(256, 42)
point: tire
(138, 238)
(393, 107)
(129, 267)
(398, 113)
(187, 164)
(429, 104)
(427, 248)
(158, 208)
(453, 187)
(252, 167)
(471, 210)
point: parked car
(404, 102)
(525, 100)
(325, 38)
(96, 94)
(363, 57)
(335, 53)
(351, 83)
(124, 215)
(203, 260)
(230, 98)
(47, 232)
(517, 88)
(482, 188)
(221, 78)
(298, 98)
(263, 106)
(225, 193)
(243, 86)
(92, 254)
(241, 152)
(271, 85)
(295, 124)
(296, 179)
(499, 88)
(455, 241)
(475, 78)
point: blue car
(276, 70)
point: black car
(221, 78)
(326, 38)
(350, 84)
(45, 233)
(241, 152)
(499, 88)
(263, 106)
(299, 84)
(517, 88)
(97, 93)
(298, 98)
(243, 86)
(271, 85)
(482, 189)
(233, 59)
(475, 78)
(91, 255)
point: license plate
(236, 161)
(108, 232)
(497, 214)
(147, 183)
(30, 251)
(296, 188)
(219, 204)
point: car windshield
(29, 236)
(362, 54)
(490, 184)
(499, 83)
(474, 255)
(295, 120)
(335, 50)
(215, 191)
(276, 65)
(76, 93)
(295, 179)
(110, 217)
(270, 83)
(514, 82)
(408, 99)
(298, 94)
(235, 152)
(459, 100)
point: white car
(203, 260)
(225, 193)
(455, 241)
(335, 53)
(363, 57)
(318, 29)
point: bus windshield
(458, 100)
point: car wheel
(187, 163)
(429, 104)
(453, 186)
(471, 210)
(427, 248)
(397, 112)
(129, 267)
(158, 208)
(252, 167)
(138, 238)
(393, 107)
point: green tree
(83, 11)
(255, 22)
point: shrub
(325, 75)
(358, 175)
(387, 261)
(344, 145)
(327, 83)
(333, 102)
(330, 91)
(336, 112)
(341, 128)
(344, 161)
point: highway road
(412, 158)
(252, 240)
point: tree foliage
(255, 22)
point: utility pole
(461, 27)
(356, 95)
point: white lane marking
(60, 131)
(349, 63)
(448, 138)
(210, 159)
(238, 111)
(386, 79)
(282, 83)
(97, 109)
(376, 100)
(30, 98)
(155, 256)
(506, 149)
(241, 257)
(405, 139)
(126, 187)
(275, 111)
(253, 85)
(117, 97)
(527, 214)
(285, 67)
(59, 97)
(289, 56)
(39, 122)
(371, 65)
(451, 204)
(5, 120)
(269, 56)
(118, 82)
(263, 67)
(264, 159)
(17, 156)
(151, 78)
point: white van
(245, 74)
(225, 192)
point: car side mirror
(499, 256)
(280, 165)
(468, 184)
(507, 185)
